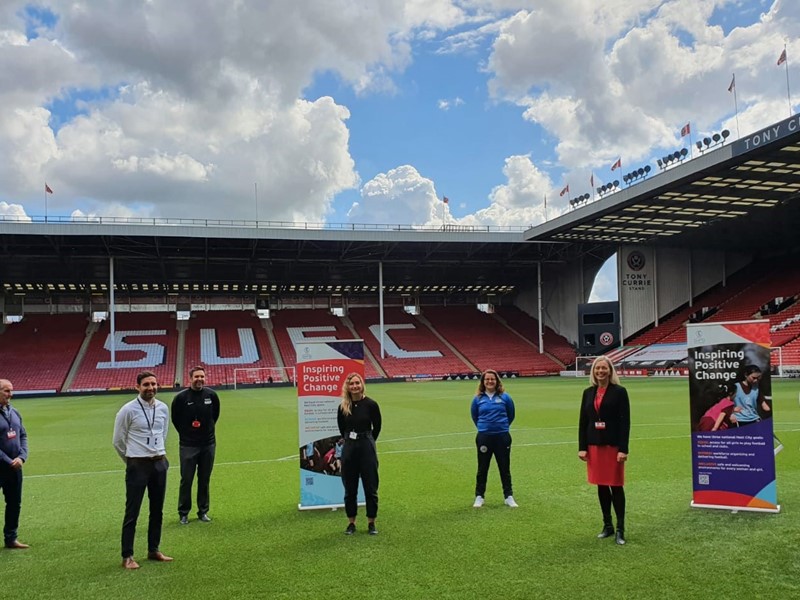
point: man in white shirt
(140, 436)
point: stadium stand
(411, 348)
(295, 325)
(528, 326)
(145, 341)
(38, 352)
(673, 329)
(487, 344)
(222, 341)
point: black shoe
(351, 529)
(620, 539)
(371, 529)
(608, 531)
(204, 518)
(184, 520)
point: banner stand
(322, 368)
(730, 397)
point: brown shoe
(129, 563)
(16, 545)
(159, 556)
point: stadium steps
(367, 352)
(180, 359)
(273, 343)
(450, 346)
(91, 329)
(533, 345)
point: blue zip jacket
(492, 415)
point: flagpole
(45, 202)
(788, 95)
(736, 105)
(545, 208)
(691, 143)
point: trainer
(195, 412)
(140, 436)
(13, 453)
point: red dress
(602, 467)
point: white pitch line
(294, 456)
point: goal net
(263, 376)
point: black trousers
(198, 459)
(499, 446)
(11, 482)
(144, 474)
(360, 460)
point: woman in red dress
(603, 433)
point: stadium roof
(191, 255)
(744, 195)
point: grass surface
(432, 544)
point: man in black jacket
(195, 411)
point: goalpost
(263, 376)
(583, 364)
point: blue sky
(357, 111)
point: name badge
(599, 424)
(11, 434)
(196, 424)
(353, 435)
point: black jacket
(615, 412)
(201, 408)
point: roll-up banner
(321, 371)
(730, 395)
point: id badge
(353, 435)
(599, 424)
(196, 424)
(11, 434)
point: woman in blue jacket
(493, 412)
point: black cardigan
(615, 412)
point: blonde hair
(612, 376)
(347, 400)
(482, 388)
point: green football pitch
(432, 543)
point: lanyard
(144, 412)
(7, 416)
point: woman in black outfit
(359, 419)
(603, 433)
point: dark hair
(195, 369)
(750, 369)
(144, 375)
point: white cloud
(13, 212)
(185, 106)
(521, 200)
(401, 195)
(448, 104)
(611, 79)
